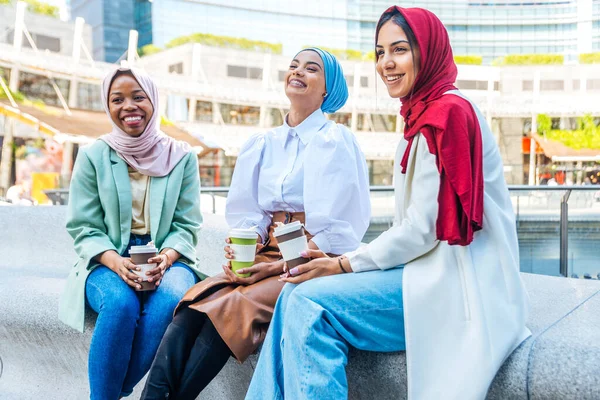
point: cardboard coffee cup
(292, 240)
(140, 256)
(243, 244)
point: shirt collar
(307, 128)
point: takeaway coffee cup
(243, 244)
(140, 256)
(292, 241)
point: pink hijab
(153, 153)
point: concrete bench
(42, 358)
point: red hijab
(450, 126)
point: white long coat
(465, 307)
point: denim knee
(310, 290)
(121, 304)
(176, 282)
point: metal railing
(564, 214)
(563, 218)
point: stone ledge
(42, 358)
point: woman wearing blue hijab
(306, 170)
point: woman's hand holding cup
(320, 265)
(253, 274)
(124, 267)
(241, 249)
(229, 251)
(163, 263)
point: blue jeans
(306, 349)
(129, 327)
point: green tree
(17, 96)
(342, 54)
(468, 60)
(227, 41)
(544, 123)
(37, 7)
(586, 136)
(148, 50)
(589, 58)
(530, 59)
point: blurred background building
(489, 29)
(218, 88)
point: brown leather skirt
(241, 314)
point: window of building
(364, 81)
(466, 85)
(550, 85)
(38, 87)
(474, 85)
(176, 68)
(281, 75)
(593, 84)
(240, 115)
(378, 123)
(342, 118)
(88, 96)
(204, 111)
(275, 117)
(349, 80)
(42, 42)
(254, 73)
(380, 172)
(238, 71)
(528, 86)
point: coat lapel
(158, 187)
(121, 176)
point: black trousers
(190, 355)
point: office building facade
(111, 21)
(490, 29)
(493, 29)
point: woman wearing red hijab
(443, 283)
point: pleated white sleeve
(242, 209)
(336, 191)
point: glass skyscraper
(493, 29)
(490, 29)
(111, 21)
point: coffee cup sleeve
(243, 253)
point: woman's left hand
(156, 274)
(321, 265)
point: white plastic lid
(149, 248)
(240, 233)
(287, 228)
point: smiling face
(397, 61)
(305, 79)
(128, 105)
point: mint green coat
(99, 216)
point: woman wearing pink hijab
(131, 187)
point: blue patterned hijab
(335, 83)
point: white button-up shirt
(316, 168)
